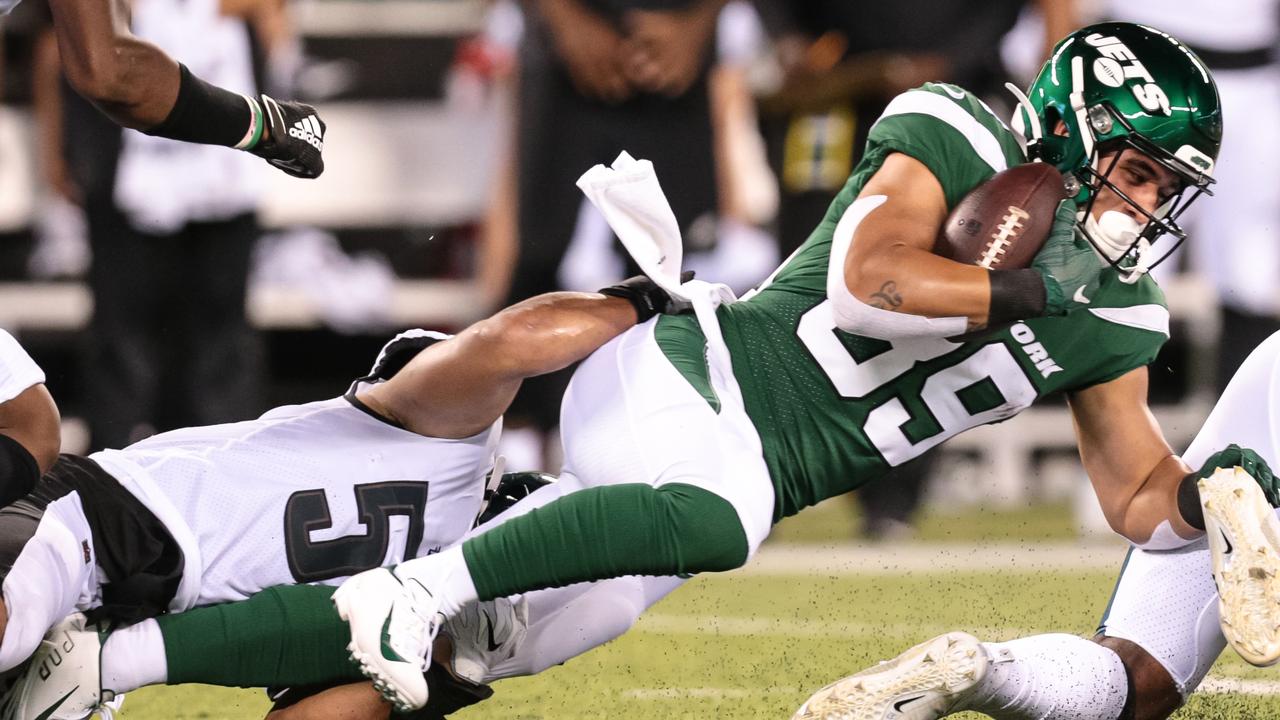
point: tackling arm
(890, 265)
(457, 388)
(1134, 472)
(132, 81)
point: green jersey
(835, 410)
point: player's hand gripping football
(294, 138)
(1066, 262)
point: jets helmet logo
(1119, 65)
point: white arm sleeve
(17, 370)
(854, 316)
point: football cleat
(64, 678)
(393, 625)
(922, 683)
(1244, 542)
(485, 634)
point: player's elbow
(867, 272)
(105, 77)
(1144, 525)
(509, 341)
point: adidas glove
(1235, 456)
(644, 295)
(1067, 263)
(294, 141)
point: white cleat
(393, 625)
(485, 634)
(63, 681)
(920, 684)
(1244, 541)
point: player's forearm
(552, 331)
(906, 279)
(354, 701)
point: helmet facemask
(1126, 244)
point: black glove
(296, 138)
(644, 295)
(512, 488)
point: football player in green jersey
(1157, 640)
(685, 442)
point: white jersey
(17, 370)
(306, 493)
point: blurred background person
(840, 65)
(1233, 238)
(596, 77)
(171, 227)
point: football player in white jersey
(1158, 637)
(138, 86)
(308, 493)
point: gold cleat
(920, 684)
(1244, 541)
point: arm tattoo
(887, 297)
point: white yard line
(668, 624)
(798, 559)
(1219, 685)
(1211, 685)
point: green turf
(838, 518)
(754, 647)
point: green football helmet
(1116, 86)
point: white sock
(1057, 676)
(134, 657)
(445, 574)
(567, 622)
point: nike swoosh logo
(1226, 540)
(903, 703)
(54, 707)
(1080, 296)
(493, 645)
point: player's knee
(710, 534)
(1153, 695)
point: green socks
(607, 532)
(283, 636)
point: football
(1003, 223)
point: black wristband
(1015, 295)
(18, 470)
(207, 114)
(1189, 501)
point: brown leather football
(1003, 223)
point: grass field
(753, 644)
